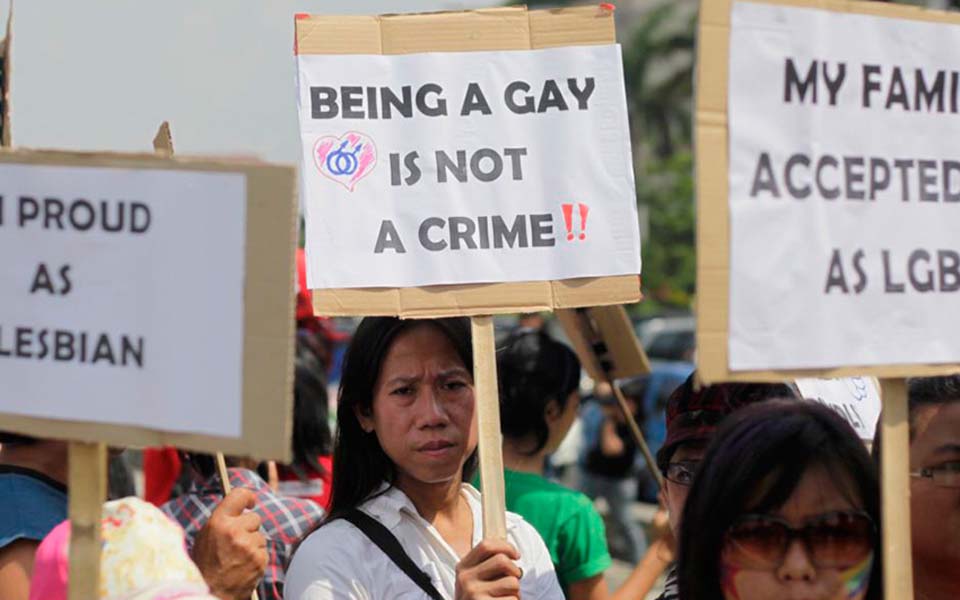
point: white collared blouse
(338, 562)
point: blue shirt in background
(31, 504)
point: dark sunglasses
(832, 540)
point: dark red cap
(693, 415)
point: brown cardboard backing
(268, 313)
(163, 141)
(713, 219)
(612, 326)
(510, 28)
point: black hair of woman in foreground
(785, 504)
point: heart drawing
(346, 159)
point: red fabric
(317, 487)
(161, 469)
(304, 303)
(305, 316)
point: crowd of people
(766, 495)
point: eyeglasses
(945, 475)
(832, 540)
(682, 471)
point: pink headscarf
(142, 558)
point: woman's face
(423, 407)
(797, 577)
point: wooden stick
(86, 494)
(224, 474)
(488, 418)
(637, 434)
(895, 490)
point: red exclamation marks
(584, 209)
(568, 219)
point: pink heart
(346, 159)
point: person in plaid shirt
(284, 520)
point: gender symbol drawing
(346, 159)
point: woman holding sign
(785, 505)
(402, 520)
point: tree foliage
(658, 60)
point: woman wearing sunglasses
(785, 505)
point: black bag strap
(390, 545)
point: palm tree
(658, 59)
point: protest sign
(856, 399)
(147, 300)
(466, 163)
(825, 239)
(827, 197)
(604, 340)
(469, 176)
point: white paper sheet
(165, 293)
(856, 399)
(851, 270)
(565, 186)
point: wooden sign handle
(86, 494)
(637, 434)
(488, 421)
(895, 490)
(224, 474)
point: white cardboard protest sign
(114, 286)
(856, 399)
(135, 304)
(466, 167)
(844, 190)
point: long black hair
(533, 369)
(754, 464)
(360, 466)
(311, 428)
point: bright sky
(103, 74)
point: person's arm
(230, 551)
(591, 588)
(16, 567)
(658, 557)
(611, 444)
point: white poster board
(844, 190)
(856, 399)
(121, 296)
(458, 167)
